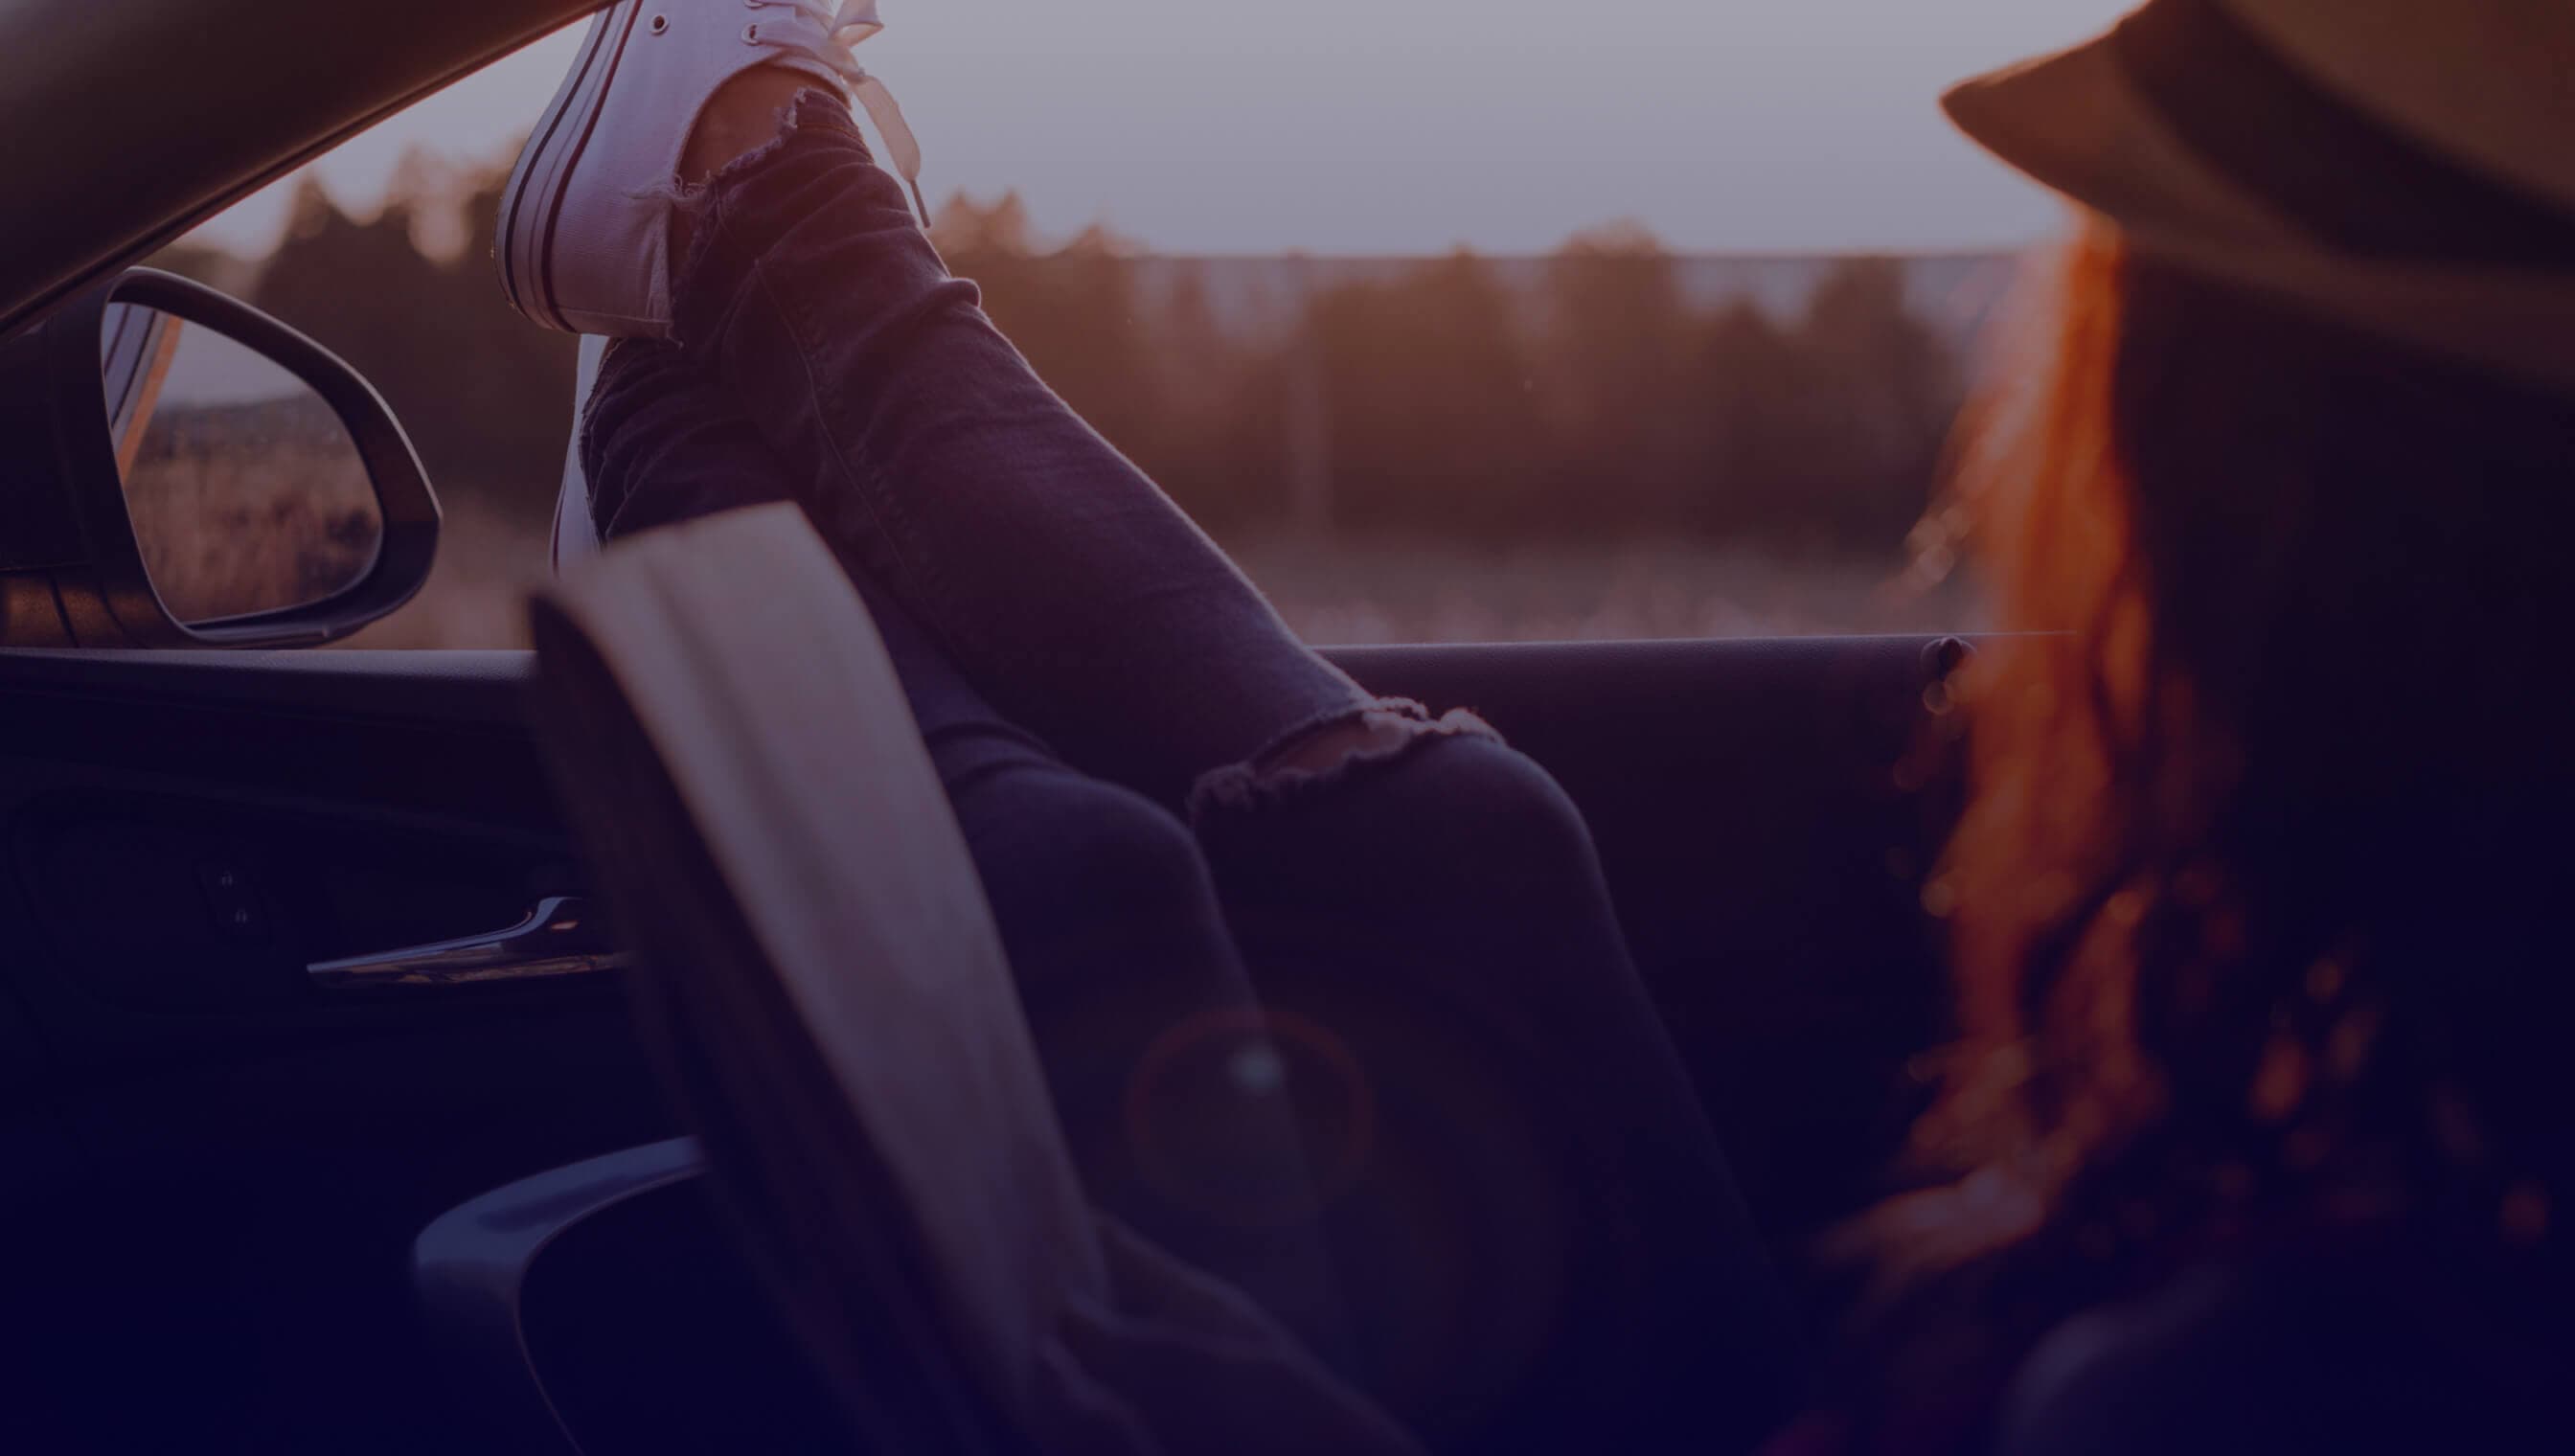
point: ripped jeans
(1363, 1038)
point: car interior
(287, 1174)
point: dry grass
(477, 593)
(1347, 593)
(250, 509)
(1358, 592)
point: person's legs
(1062, 581)
(1547, 1247)
(1103, 902)
(1537, 1234)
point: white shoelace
(844, 27)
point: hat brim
(2077, 124)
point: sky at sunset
(1404, 126)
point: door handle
(560, 936)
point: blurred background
(1612, 434)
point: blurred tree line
(1438, 403)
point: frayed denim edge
(1259, 782)
(703, 203)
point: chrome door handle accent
(559, 937)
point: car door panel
(233, 1161)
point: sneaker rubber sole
(532, 205)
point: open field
(477, 591)
(1364, 592)
(250, 507)
(1360, 592)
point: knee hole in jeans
(1330, 752)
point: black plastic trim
(105, 594)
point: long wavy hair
(2262, 900)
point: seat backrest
(826, 981)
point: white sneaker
(585, 235)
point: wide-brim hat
(2404, 165)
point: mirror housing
(72, 571)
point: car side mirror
(178, 468)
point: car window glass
(1693, 369)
